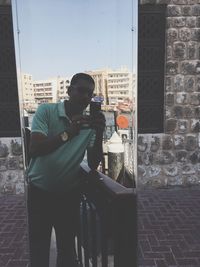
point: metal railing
(107, 232)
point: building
(119, 86)
(28, 99)
(116, 86)
(45, 91)
(168, 93)
(62, 87)
(100, 77)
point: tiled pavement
(13, 232)
(168, 229)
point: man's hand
(77, 123)
(98, 122)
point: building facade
(28, 98)
(45, 91)
(172, 157)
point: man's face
(81, 94)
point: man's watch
(64, 136)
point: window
(151, 50)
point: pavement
(168, 229)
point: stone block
(164, 2)
(179, 50)
(189, 83)
(154, 171)
(169, 52)
(171, 170)
(198, 22)
(156, 182)
(195, 35)
(16, 147)
(171, 125)
(197, 112)
(19, 188)
(192, 50)
(148, 1)
(178, 112)
(188, 112)
(194, 157)
(197, 88)
(167, 142)
(169, 22)
(173, 11)
(3, 164)
(178, 22)
(155, 144)
(184, 34)
(186, 10)
(195, 99)
(191, 142)
(180, 2)
(196, 10)
(190, 67)
(139, 158)
(172, 67)
(169, 99)
(168, 112)
(182, 126)
(195, 126)
(168, 83)
(181, 98)
(13, 163)
(172, 35)
(179, 142)
(4, 151)
(179, 83)
(142, 144)
(177, 180)
(190, 22)
(181, 156)
(188, 169)
(148, 158)
(141, 171)
(192, 180)
(165, 157)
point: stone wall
(11, 166)
(173, 157)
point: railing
(107, 232)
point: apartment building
(45, 91)
(62, 87)
(28, 99)
(116, 86)
(100, 78)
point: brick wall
(173, 157)
(11, 166)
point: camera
(95, 108)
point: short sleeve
(40, 120)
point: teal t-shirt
(57, 171)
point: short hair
(82, 76)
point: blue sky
(67, 36)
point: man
(59, 137)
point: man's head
(81, 90)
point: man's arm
(41, 145)
(95, 153)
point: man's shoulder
(47, 106)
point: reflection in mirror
(58, 40)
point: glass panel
(60, 38)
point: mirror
(59, 39)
